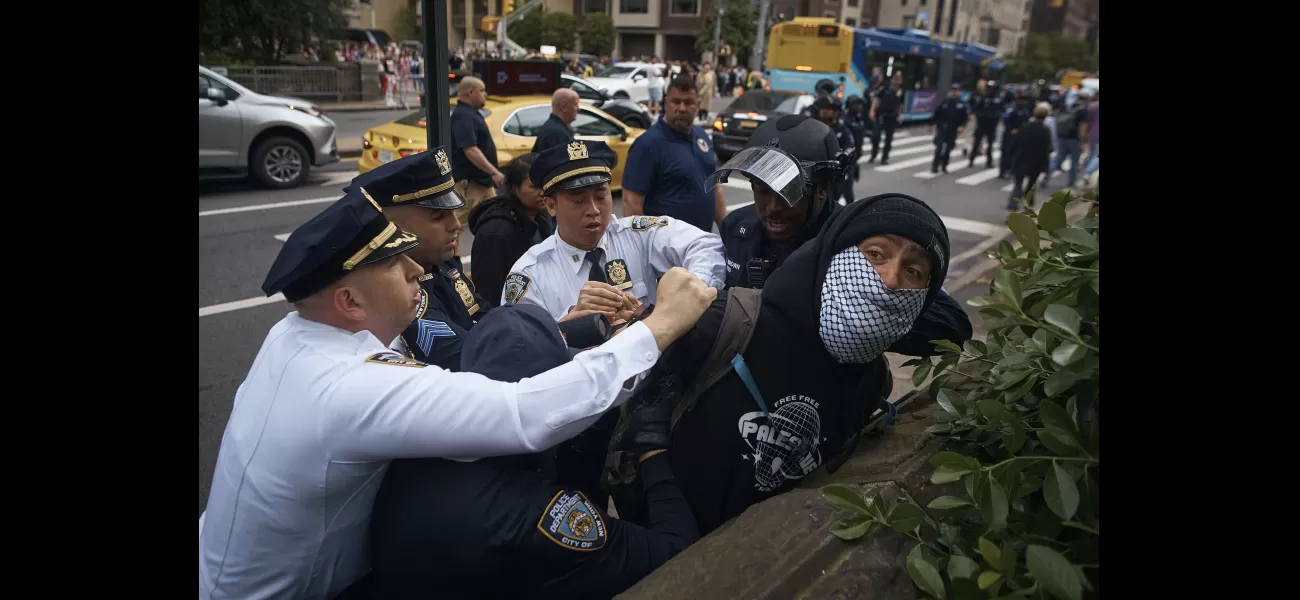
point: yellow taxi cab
(514, 122)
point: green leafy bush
(1019, 518)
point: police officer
(950, 119)
(1017, 116)
(828, 112)
(418, 194)
(988, 109)
(855, 118)
(596, 263)
(886, 112)
(443, 528)
(326, 404)
(759, 237)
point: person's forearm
(633, 204)
(476, 156)
(719, 206)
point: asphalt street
(241, 228)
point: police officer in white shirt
(326, 404)
(596, 263)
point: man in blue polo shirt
(668, 165)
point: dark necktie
(597, 273)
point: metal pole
(760, 44)
(717, 36)
(437, 115)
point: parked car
(513, 121)
(275, 139)
(732, 128)
(626, 80)
(632, 114)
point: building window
(907, 21)
(851, 22)
(636, 7)
(590, 7)
(853, 2)
(686, 8)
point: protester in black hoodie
(505, 227)
(839, 301)
(500, 527)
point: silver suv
(275, 139)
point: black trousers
(1008, 154)
(885, 125)
(1019, 190)
(984, 129)
(943, 143)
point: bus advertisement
(806, 51)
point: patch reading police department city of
(784, 444)
(572, 521)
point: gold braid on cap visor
(374, 244)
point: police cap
(348, 234)
(514, 342)
(578, 164)
(422, 179)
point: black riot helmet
(792, 155)
(854, 100)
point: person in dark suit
(555, 131)
(1033, 151)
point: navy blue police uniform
(988, 109)
(950, 116)
(449, 304)
(860, 126)
(846, 140)
(450, 529)
(1017, 116)
(752, 255)
(669, 169)
(887, 109)
(554, 132)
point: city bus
(805, 51)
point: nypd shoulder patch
(516, 286)
(393, 358)
(429, 331)
(572, 521)
(643, 223)
(424, 304)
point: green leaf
(1079, 526)
(922, 371)
(846, 498)
(1012, 359)
(946, 344)
(1008, 562)
(994, 505)
(924, 574)
(992, 555)
(1095, 284)
(967, 589)
(1064, 317)
(949, 401)
(1076, 236)
(1005, 250)
(1010, 378)
(1020, 390)
(1052, 415)
(976, 347)
(1068, 353)
(988, 579)
(1040, 340)
(906, 517)
(1061, 381)
(948, 474)
(1060, 492)
(1015, 440)
(1025, 230)
(983, 301)
(1054, 572)
(1059, 442)
(948, 503)
(939, 428)
(1051, 216)
(852, 528)
(1053, 278)
(1008, 287)
(948, 457)
(994, 411)
(961, 567)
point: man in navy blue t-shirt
(668, 165)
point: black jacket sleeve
(943, 319)
(491, 259)
(629, 551)
(549, 137)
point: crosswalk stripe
(961, 164)
(893, 149)
(972, 226)
(980, 177)
(891, 167)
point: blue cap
(580, 163)
(513, 342)
(348, 234)
(422, 179)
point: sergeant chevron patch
(430, 330)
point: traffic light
(507, 7)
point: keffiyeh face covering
(861, 317)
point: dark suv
(732, 127)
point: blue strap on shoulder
(738, 362)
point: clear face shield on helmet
(787, 176)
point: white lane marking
(337, 178)
(217, 309)
(978, 249)
(891, 167)
(926, 174)
(980, 177)
(283, 237)
(972, 226)
(255, 207)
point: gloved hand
(650, 421)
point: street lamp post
(437, 117)
(717, 34)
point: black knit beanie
(890, 213)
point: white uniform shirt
(551, 273)
(319, 416)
